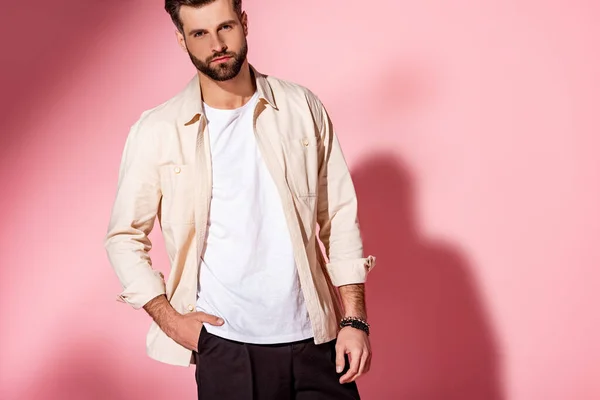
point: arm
(128, 246)
(337, 215)
(163, 314)
(132, 219)
(353, 300)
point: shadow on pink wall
(48, 42)
(431, 336)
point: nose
(218, 46)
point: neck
(230, 94)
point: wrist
(356, 323)
(169, 323)
(163, 314)
(355, 314)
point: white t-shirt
(248, 275)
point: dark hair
(173, 6)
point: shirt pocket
(177, 185)
(302, 165)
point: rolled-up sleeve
(337, 210)
(132, 218)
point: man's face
(215, 39)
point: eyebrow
(222, 24)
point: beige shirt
(165, 172)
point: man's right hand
(182, 328)
(185, 329)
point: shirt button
(177, 170)
(305, 142)
(191, 307)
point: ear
(244, 21)
(181, 40)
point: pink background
(471, 129)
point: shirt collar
(193, 107)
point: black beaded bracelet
(357, 323)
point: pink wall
(471, 131)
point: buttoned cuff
(141, 291)
(350, 272)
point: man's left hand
(355, 343)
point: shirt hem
(260, 340)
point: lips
(225, 58)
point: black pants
(229, 370)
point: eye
(226, 27)
(198, 34)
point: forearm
(353, 300)
(162, 313)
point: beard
(223, 71)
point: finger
(340, 361)
(368, 363)
(198, 338)
(354, 364)
(210, 319)
(364, 358)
